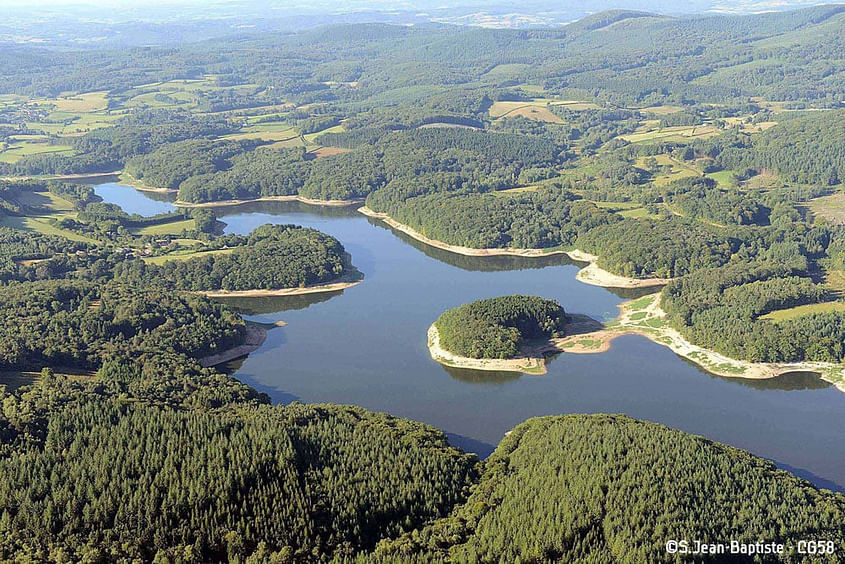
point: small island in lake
(508, 333)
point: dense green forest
(721, 308)
(607, 488)
(111, 481)
(269, 258)
(80, 324)
(499, 327)
(709, 150)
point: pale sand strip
(304, 200)
(128, 180)
(591, 274)
(315, 289)
(591, 337)
(526, 365)
(711, 361)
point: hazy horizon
(114, 23)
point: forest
(605, 488)
(721, 309)
(269, 258)
(499, 327)
(705, 150)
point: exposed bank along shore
(303, 199)
(589, 336)
(255, 336)
(591, 274)
(644, 317)
(315, 289)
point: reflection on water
(479, 264)
(291, 207)
(134, 201)
(367, 346)
(481, 376)
(789, 381)
(276, 304)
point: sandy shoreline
(315, 289)
(129, 180)
(304, 200)
(587, 336)
(255, 337)
(525, 365)
(649, 322)
(591, 274)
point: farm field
(651, 133)
(799, 311)
(185, 255)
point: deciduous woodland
(705, 150)
(499, 327)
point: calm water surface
(367, 346)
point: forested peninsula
(497, 333)
(703, 153)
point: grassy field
(185, 255)
(81, 103)
(724, 178)
(626, 209)
(172, 228)
(536, 109)
(276, 132)
(45, 200)
(512, 191)
(830, 207)
(661, 110)
(42, 225)
(309, 138)
(793, 312)
(672, 169)
(16, 151)
(651, 132)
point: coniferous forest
(706, 151)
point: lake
(366, 345)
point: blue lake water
(367, 346)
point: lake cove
(366, 345)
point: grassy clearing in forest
(42, 225)
(679, 133)
(185, 255)
(829, 207)
(793, 312)
(171, 228)
(81, 103)
(16, 151)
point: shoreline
(255, 337)
(591, 274)
(649, 322)
(524, 365)
(128, 180)
(588, 336)
(315, 289)
(295, 198)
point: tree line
(499, 327)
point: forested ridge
(499, 327)
(111, 480)
(609, 488)
(269, 258)
(708, 150)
